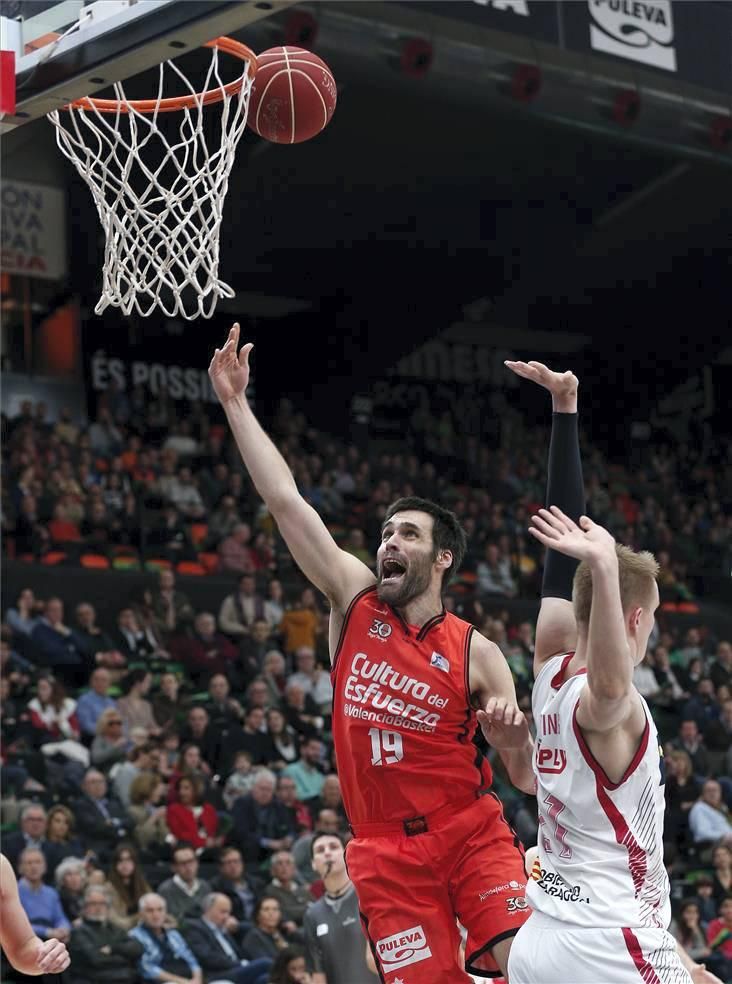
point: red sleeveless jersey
(402, 720)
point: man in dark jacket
(99, 950)
(100, 821)
(217, 951)
(261, 823)
(242, 889)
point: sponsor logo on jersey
(516, 903)
(379, 695)
(408, 947)
(551, 760)
(380, 630)
(553, 884)
(513, 884)
(438, 660)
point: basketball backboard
(67, 49)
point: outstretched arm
(556, 630)
(25, 951)
(699, 973)
(609, 698)
(336, 573)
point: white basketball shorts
(546, 951)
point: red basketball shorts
(412, 889)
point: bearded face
(401, 579)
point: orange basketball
(293, 97)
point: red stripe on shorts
(648, 974)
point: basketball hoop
(159, 195)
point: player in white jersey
(598, 889)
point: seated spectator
(184, 892)
(644, 678)
(148, 814)
(206, 651)
(40, 902)
(274, 674)
(224, 520)
(253, 649)
(718, 740)
(169, 538)
(266, 938)
(58, 646)
(687, 929)
(258, 694)
(241, 779)
(722, 872)
(356, 544)
(240, 609)
(224, 712)
(110, 744)
(249, 738)
(326, 822)
(702, 707)
(307, 771)
(60, 841)
(292, 895)
(166, 956)
(720, 672)
(331, 799)
(135, 641)
(704, 898)
(301, 712)
(32, 833)
(274, 605)
(261, 824)
(241, 888)
(235, 555)
(690, 741)
(300, 623)
(289, 967)
(127, 884)
(99, 949)
(166, 702)
(140, 758)
(283, 747)
(494, 573)
(313, 679)
(217, 950)
(70, 878)
(184, 495)
(286, 793)
(98, 647)
(102, 822)
(719, 938)
(31, 536)
(189, 819)
(26, 614)
(54, 727)
(709, 819)
(682, 791)
(172, 609)
(198, 731)
(134, 709)
(93, 701)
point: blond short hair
(637, 572)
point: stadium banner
(689, 41)
(33, 228)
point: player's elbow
(611, 691)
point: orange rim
(176, 103)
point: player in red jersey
(411, 683)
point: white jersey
(600, 860)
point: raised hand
(585, 541)
(562, 385)
(229, 369)
(503, 724)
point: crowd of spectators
(165, 764)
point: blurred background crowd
(179, 739)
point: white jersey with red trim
(600, 857)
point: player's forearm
(267, 468)
(609, 663)
(520, 767)
(565, 489)
(25, 959)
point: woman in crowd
(282, 744)
(135, 709)
(166, 702)
(148, 814)
(722, 872)
(274, 674)
(191, 820)
(689, 931)
(190, 763)
(265, 938)
(127, 884)
(60, 833)
(71, 879)
(682, 791)
(54, 728)
(289, 967)
(110, 744)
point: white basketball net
(159, 194)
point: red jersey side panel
(402, 721)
